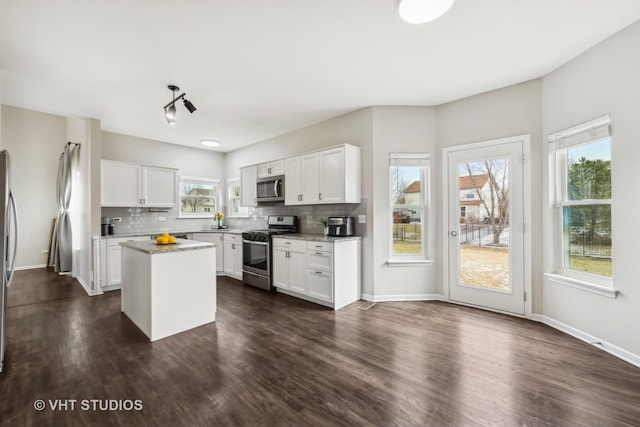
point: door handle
(454, 233)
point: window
(408, 195)
(471, 195)
(233, 199)
(198, 197)
(580, 160)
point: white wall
(400, 130)
(510, 111)
(190, 161)
(34, 141)
(600, 81)
(353, 128)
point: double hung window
(408, 185)
(580, 166)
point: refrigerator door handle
(15, 241)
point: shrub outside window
(583, 202)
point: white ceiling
(256, 69)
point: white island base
(167, 290)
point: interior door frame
(525, 139)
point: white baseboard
(612, 349)
(87, 288)
(404, 297)
(31, 267)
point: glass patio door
(485, 223)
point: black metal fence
(411, 232)
(595, 245)
(482, 234)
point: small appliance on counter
(106, 226)
(341, 226)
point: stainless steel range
(256, 250)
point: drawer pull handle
(319, 272)
(319, 253)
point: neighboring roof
(473, 181)
(414, 187)
(470, 202)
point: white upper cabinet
(128, 184)
(327, 176)
(301, 180)
(159, 187)
(271, 169)
(248, 177)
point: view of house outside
(484, 223)
(197, 198)
(408, 206)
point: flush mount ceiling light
(210, 143)
(421, 11)
(170, 108)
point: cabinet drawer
(320, 285)
(322, 261)
(320, 246)
(235, 238)
(298, 245)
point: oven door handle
(253, 242)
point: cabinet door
(121, 184)
(320, 285)
(237, 268)
(160, 187)
(229, 258)
(280, 268)
(297, 271)
(277, 167)
(114, 265)
(218, 240)
(309, 179)
(103, 262)
(248, 177)
(331, 182)
(292, 184)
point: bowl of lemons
(165, 239)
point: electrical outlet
(162, 218)
(362, 219)
(117, 219)
(44, 251)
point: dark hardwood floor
(275, 360)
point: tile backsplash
(146, 220)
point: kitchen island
(167, 289)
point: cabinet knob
(319, 196)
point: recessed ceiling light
(421, 11)
(210, 143)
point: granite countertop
(317, 237)
(151, 247)
(156, 233)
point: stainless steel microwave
(270, 189)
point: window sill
(581, 284)
(410, 262)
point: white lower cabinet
(326, 273)
(111, 261)
(233, 255)
(289, 264)
(218, 239)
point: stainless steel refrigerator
(9, 235)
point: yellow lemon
(165, 234)
(162, 239)
(172, 239)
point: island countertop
(151, 247)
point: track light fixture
(170, 108)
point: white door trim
(527, 208)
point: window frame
(421, 160)
(232, 182)
(215, 183)
(591, 132)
